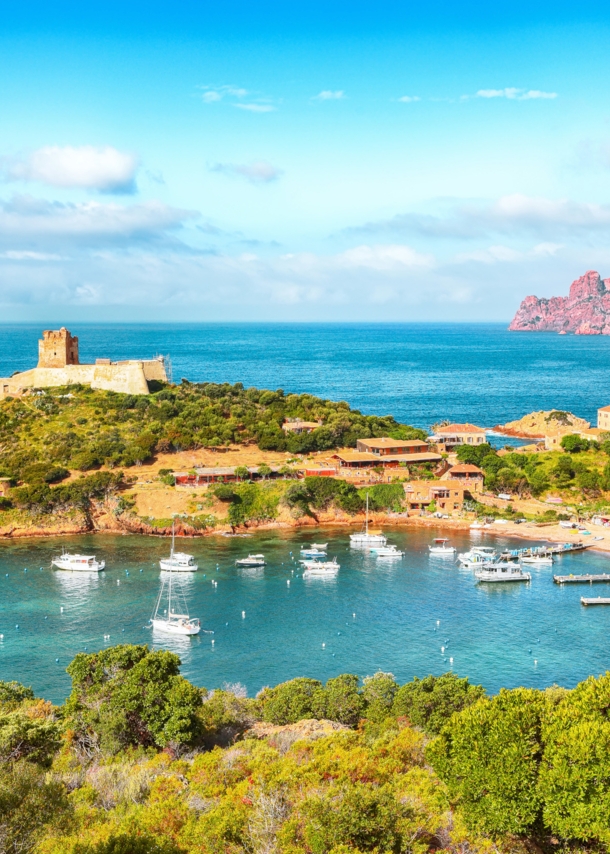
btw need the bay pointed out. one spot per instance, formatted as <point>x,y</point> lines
<point>534,634</point>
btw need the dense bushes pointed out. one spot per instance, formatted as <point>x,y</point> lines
<point>39,497</point>
<point>85,429</point>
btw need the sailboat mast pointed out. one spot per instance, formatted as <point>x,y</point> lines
<point>173,536</point>
<point>366,528</point>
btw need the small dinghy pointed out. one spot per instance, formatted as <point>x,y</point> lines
<point>321,546</point>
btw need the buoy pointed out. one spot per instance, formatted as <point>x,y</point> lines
<point>25,569</point>
<point>442,649</point>
<point>85,648</point>
<point>1,637</point>
<point>529,650</point>
<point>46,618</point>
<point>57,659</point>
<point>243,615</point>
<point>353,615</point>
<point>535,661</point>
<point>61,610</point>
<point>41,568</point>
<point>338,633</point>
<point>213,641</point>
<point>16,625</point>
<point>333,654</point>
<point>141,570</point>
<point>323,646</point>
<point>288,582</point>
<point>438,622</point>
<point>450,661</point>
<point>122,630</point>
<point>117,581</point>
<point>126,572</point>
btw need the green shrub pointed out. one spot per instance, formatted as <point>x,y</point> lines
<point>378,694</point>
<point>293,701</point>
<point>430,702</point>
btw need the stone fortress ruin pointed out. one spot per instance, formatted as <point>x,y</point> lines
<point>59,365</point>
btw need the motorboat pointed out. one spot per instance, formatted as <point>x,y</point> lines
<point>367,538</point>
<point>170,620</point>
<point>78,563</point>
<point>321,546</point>
<point>439,548</point>
<point>313,553</point>
<point>538,560</point>
<point>477,554</point>
<point>252,560</point>
<point>321,569</point>
<point>501,571</point>
<point>178,561</point>
<point>387,551</point>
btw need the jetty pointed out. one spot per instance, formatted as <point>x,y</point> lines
<point>544,551</point>
<point>599,601</point>
<point>588,578</point>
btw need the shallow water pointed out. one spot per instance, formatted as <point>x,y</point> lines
<point>520,634</point>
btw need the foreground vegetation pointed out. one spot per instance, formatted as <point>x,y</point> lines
<point>139,760</point>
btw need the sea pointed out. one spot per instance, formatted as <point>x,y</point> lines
<point>411,617</point>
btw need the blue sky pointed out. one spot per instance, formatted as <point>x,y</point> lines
<point>319,161</point>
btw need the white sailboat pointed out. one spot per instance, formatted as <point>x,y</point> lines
<point>366,538</point>
<point>178,561</point>
<point>78,563</point>
<point>170,620</point>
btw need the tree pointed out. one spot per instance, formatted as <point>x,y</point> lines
<point>573,443</point>
<point>293,701</point>
<point>473,454</point>
<point>264,470</point>
<point>344,703</point>
<point>378,695</point>
<point>430,702</point>
<point>242,473</point>
<point>127,695</point>
<point>489,756</point>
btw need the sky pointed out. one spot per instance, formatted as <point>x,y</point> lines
<point>331,161</point>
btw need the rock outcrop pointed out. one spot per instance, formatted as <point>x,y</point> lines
<point>585,311</point>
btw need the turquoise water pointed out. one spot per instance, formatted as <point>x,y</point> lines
<point>495,634</point>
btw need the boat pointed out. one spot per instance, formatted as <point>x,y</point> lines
<point>538,560</point>
<point>78,563</point>
<point>501,571</point>
<point>478,553</point>
<point>367,538</point>
<point>439,548</point>
<point>321,546</point>
<point>320,569</point>
<point>169,620</point>
<point>313,553</point>
<point>178,561</point>
<point>387,551</point>
<point>252,560</point>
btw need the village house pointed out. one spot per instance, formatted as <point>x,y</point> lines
<point>5,485</point>
<point>451,436</point>
<point>471,477</point>
<point>295,425</point>
<point>603,418</point>
<point>448,495</point>
<point>386,452</point>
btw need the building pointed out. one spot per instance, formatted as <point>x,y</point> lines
<point>364,459</point>
<point>451,436</point>
<point>295,425</point>
<point>448,495</point>
<point>5,485</point>
<point>471,477</point>
<point>603,418</point>
<point>59,365</point>
<point>391,447</point>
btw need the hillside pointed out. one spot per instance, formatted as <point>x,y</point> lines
<point>140,761</point>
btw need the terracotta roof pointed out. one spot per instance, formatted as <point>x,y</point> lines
<point>604,409</point>
<point>386,442</point>
<point>352,456</point>
<point>465,468</point>
<point>460,428</point>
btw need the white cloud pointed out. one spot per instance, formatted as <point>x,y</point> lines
<point>329,95</point>
<point>409,99</point>
<point>516,94</point>
<point>256,108</point>
<point>24,255</point>
<point>86,167</point>
<point>32,222</point>
<point>258,172</point>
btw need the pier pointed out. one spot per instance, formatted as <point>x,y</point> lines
<point>582,579</point>
<point>599,601</point>
<point>544,551</point>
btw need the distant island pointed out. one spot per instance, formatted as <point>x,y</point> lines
<point>585,311</point>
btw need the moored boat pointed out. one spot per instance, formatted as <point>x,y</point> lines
<point>252,560</point>
<point>440,548</point>
<point>367,538</point>
<point>501,571</point>
<point>78,563</point>
<point>178,561</point>
<point>320,569</point>
<point>169,620</point>
<point>387,551</point>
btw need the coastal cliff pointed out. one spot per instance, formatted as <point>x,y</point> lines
<point>585,311</point>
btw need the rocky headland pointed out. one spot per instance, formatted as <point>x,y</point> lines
<point>585,311</point>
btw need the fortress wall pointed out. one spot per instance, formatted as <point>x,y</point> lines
<point>127,378</point>
<point>154,369</point>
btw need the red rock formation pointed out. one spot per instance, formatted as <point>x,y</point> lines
<point>585,311</point>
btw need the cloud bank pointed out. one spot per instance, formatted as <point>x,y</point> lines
<point>84,167</point>
<point>258,172</point>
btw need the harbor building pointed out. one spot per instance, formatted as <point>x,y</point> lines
<point>59,365</point>
<point>471,477</point>
<point>386,452</point>
<point>448,495</point>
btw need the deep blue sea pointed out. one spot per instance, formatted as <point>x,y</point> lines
<point>535,634</point>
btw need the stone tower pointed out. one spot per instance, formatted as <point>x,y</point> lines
<point>57,348</point>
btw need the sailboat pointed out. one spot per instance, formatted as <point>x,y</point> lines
<point>169,620</point>
<point>366,537</point>
<point>178,561</point>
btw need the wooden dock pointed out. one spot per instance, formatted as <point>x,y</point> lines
<point>582,579</point>
<point>599,601</point>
